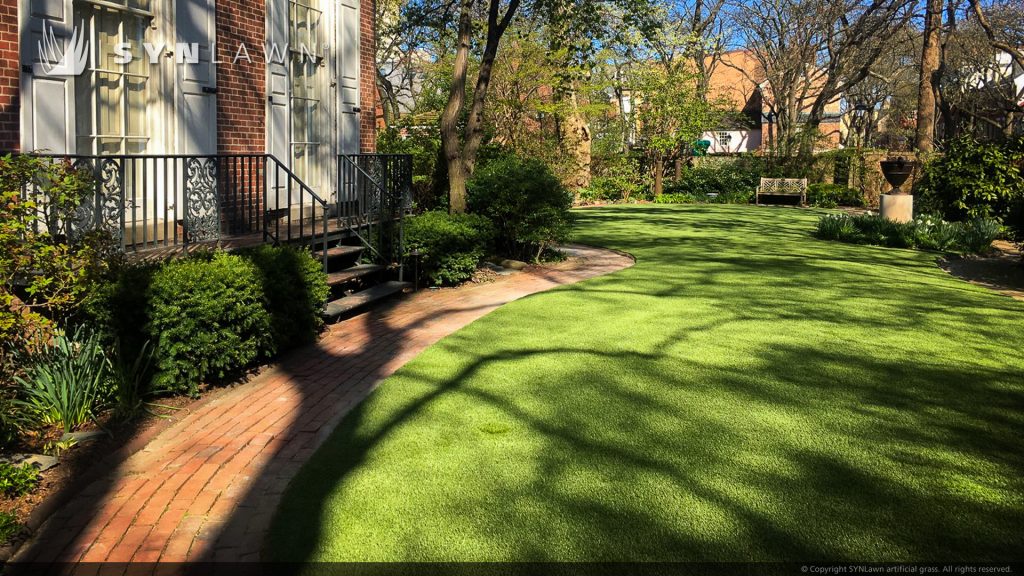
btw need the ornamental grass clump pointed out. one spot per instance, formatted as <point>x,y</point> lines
<point>67,381</point>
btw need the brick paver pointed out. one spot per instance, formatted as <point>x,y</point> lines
<point>206,487</point>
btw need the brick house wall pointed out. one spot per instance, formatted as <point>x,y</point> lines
<point>367,76</point>
<point>241,89</point>
<point>10,76</point>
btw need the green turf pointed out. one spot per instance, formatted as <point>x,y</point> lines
<point>744,392</point>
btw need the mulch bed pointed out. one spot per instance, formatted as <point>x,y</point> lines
<point>1003,271</point>
<point>87,461</point>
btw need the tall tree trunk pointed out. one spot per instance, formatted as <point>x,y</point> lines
<point>925,137</point>
<point>450,140</point>
<point>575,136</point>
<point>659,173</point>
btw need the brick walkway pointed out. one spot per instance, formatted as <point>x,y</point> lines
<point>205,488</point>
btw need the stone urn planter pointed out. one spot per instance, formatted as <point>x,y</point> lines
<point>897,205</point>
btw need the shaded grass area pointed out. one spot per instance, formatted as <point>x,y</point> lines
<point>744,392</point>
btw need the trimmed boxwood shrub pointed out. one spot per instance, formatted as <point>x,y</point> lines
<point>295,287</point>
<point>525,201</point>
<point>208,320</point>
<point>449,245</point>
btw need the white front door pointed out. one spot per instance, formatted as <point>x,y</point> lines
<point>196,82</point>
<point>348,75</point>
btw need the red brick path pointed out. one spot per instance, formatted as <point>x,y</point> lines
<point>206,487</point>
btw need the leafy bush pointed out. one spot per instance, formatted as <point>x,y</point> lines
<point>208,319</point>
<point>118,307</point>
<point>46,265</point>
<point>618,180</point>
<point>66,382</point>
<point>925,232</point>
<point>973,179</point>
<point>527,204</point>
<point>832,195</point>
<point>733,182</point>
<point>450,245</point>
<point>17,480</point>
<point>296,290</point>
<point>9,526</point>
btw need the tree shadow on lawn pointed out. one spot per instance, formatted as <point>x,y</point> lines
<point>800,406</point>
<point>814,470</point>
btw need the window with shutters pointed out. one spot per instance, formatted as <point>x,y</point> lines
<point>305,19</point>
<point>111,98</point>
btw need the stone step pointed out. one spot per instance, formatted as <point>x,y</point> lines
<point>351,273</point>
<point>338,251</point>
<point>341,306</point>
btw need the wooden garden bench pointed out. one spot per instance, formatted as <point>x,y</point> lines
<point>782,187</point>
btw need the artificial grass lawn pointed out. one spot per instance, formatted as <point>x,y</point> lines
<point>744,392</point>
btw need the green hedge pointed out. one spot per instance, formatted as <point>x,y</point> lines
<point>832,195</point>
<point>208,319</point>
<point>296,290</point>
<point>449,245</point>
<point>212,314</point>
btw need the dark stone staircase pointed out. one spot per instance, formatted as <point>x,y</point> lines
<point>355,285</point>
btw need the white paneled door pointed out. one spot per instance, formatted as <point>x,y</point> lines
<point>196,81</point>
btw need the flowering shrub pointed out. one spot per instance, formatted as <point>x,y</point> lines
<point>924,232</point>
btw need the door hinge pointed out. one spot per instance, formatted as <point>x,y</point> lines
<point>209,90</point>
<point>26,68</point>
<point>357,109</point>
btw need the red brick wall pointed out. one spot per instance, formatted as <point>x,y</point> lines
<point>10,72</point>
<point>241,87</point>
<point>368,77</point>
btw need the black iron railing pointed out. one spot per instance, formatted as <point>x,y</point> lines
<point>159,201</point>
<point>165,201</point>
<point>374,195</point>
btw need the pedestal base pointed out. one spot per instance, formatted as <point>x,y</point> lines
<point>897,207</point>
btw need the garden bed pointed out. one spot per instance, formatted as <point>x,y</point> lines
<point>1003,271</point>
<point>81,463</point>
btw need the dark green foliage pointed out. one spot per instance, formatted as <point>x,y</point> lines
<point>926,232</point>
<point>425,148</point>
<point>17,480</point>
<point>832,195</point>
<point>67,380</point>
<point>9,526</point>
<point>118,308</point>
<point>526,202</point>
<point>449,245</point>
<point>131,380</point>
<point>726,183</point>
<point>208,319</point>
<point>973,179</point>
<point>296,290</point>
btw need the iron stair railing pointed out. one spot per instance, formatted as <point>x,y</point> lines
<point>374,195</point>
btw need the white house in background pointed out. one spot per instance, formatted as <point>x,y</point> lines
<point>734,141</point>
